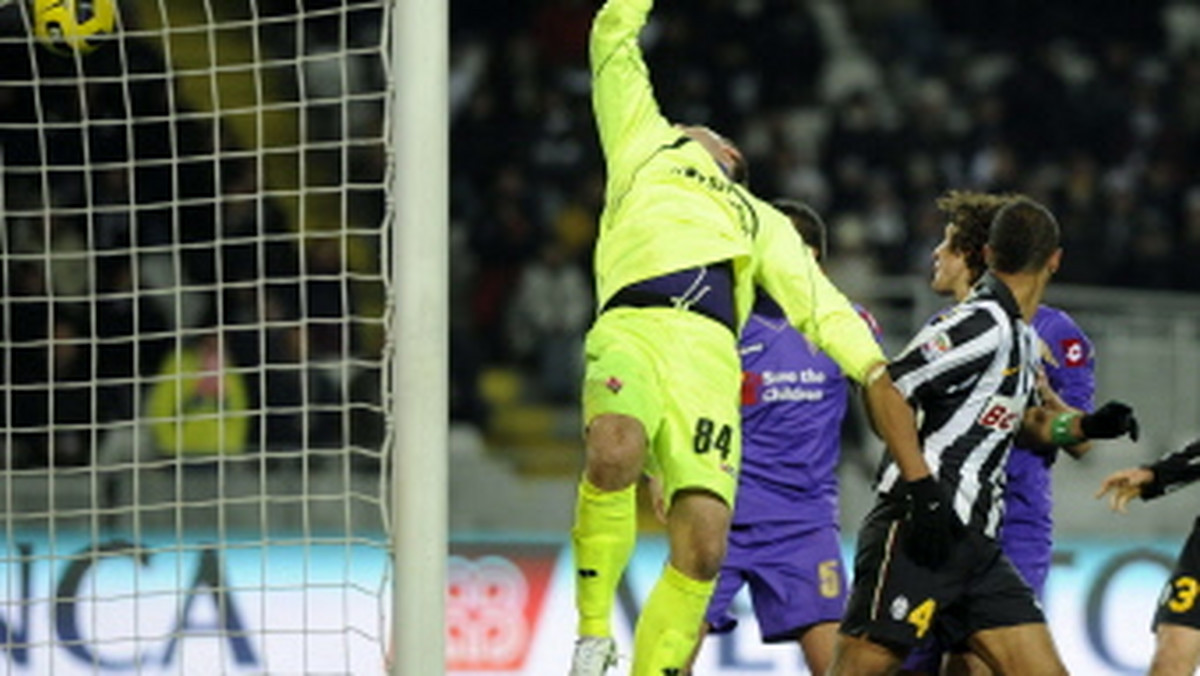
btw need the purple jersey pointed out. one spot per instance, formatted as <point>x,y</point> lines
<point>1026,528</point>
<point>793,403</point>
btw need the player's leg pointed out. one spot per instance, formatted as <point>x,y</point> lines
<point>668,629</point>
<point>1003,622</point>
<point>697,528</point>
<point>1020,649</point>
<point>691,662</point>
<point>924,660</point>
<point>965,664</point>
<point>717,618</point>
<point>618,400</point>
<point>1028,548</point>
<point>1177,620</point>
<point>817,643</point>
<point>890,608</point>
<point>605,527</point>
<point>1176,650</point>
<point>857,656</point>
<point>604,533</point>
<point>697,449</point>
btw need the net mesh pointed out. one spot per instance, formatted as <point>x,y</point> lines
<point>193,404</point>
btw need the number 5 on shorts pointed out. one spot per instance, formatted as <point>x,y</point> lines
<point>831,582</point>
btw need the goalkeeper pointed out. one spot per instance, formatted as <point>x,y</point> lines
<point>681,249</point>
<point>1177,622</point>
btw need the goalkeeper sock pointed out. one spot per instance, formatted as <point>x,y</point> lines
<point>603,537</point>
<point>669,626</point>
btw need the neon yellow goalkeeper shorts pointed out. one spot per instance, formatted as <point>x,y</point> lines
<point>679,374</point>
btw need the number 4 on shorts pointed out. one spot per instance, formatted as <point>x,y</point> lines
<point>922,616</point>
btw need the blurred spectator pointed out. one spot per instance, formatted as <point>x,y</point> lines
<point>503,241</point>
<point>550,311</point>
<point>303,406</point>
<point>198,405</point>
<point>327,299</point>
<point>1185,273</point>
<point>52,397</point>
<point>466,403</point>
<point>132,341</point>
<point>255,239</point>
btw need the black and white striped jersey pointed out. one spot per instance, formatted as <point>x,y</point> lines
<point>1173,471</point>
<point>970,373</point>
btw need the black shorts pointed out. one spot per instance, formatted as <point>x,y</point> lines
<point>1179,602</point>
<point>897,603</point>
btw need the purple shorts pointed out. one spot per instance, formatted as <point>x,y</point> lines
<point>795,574</point>
<point>1032,560</point>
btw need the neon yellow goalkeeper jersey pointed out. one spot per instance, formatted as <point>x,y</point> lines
<point>669,206</point>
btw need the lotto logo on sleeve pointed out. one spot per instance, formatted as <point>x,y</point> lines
<point>1073,351</point>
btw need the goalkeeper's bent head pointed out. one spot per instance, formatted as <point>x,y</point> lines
<point>724,151</point>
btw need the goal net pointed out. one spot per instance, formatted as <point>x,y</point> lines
<point>193,402</point>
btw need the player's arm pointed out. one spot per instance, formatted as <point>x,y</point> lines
<point>894,420</point>
<point>815,307</point>
<point>1172,472</point>
<point>789,273</point>
<point>627,115</point>
<point>1041,426</point>
<point>1037,426</point>
<point>1054,403</point>
<point>1070,369</point>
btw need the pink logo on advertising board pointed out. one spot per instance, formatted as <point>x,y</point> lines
<point>493,604</point>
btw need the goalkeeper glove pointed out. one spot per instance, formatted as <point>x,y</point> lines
<point>932,526</point>
<point>1110,421</point>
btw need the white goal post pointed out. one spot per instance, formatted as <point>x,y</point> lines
<point>420,509</point>
<point>222,336</point>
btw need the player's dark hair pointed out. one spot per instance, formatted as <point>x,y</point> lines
<point>1024,235</point>
<point>807,222</point>
<point>971,213</point>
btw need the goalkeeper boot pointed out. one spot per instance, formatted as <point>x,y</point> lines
<point>593,656</point>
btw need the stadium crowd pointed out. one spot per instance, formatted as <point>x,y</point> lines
<point>139,249</point>
<point>867,110</point>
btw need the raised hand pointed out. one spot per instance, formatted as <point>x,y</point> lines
<point>1124,485</point>
<point>1110,421</point>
